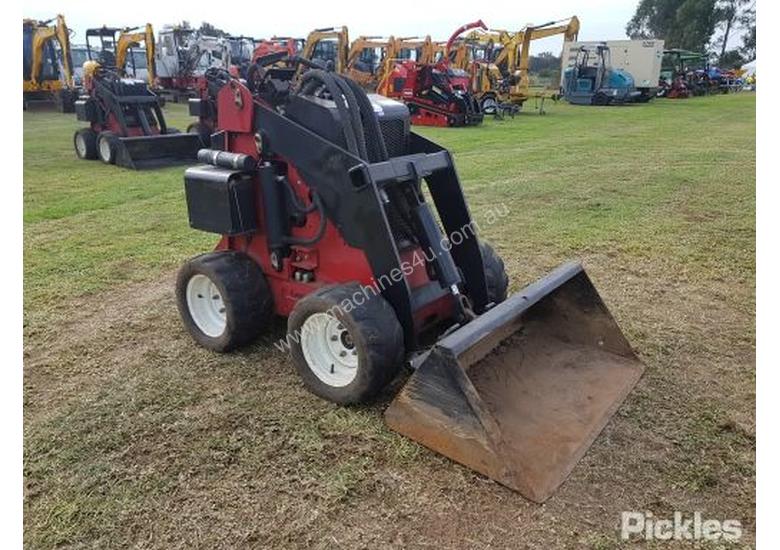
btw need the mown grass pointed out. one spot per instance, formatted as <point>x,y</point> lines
<point>135,437</point>
<point>89,226</point>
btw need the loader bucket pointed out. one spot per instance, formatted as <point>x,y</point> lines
<point>521,392</point>
<point>157,151</point>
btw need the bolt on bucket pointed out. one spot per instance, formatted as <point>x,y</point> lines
<point>521,392</point>
<point>156,151</point>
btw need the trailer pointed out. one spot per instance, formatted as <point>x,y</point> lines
<point>640,58</point>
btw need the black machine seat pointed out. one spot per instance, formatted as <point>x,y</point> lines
<point>130,87</point>
<point>588,72</point>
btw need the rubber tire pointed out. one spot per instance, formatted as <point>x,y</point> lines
<point>495,273</point>
<point>245,293</point>
<point>374,329</point>
<point>90,140</point>
<point>601,99</point>
<point>494,110</point>
<point>112,146</point>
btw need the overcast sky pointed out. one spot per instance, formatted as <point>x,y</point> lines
<point>601,19</point>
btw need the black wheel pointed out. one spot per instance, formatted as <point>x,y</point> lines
<point>85,144</point>
<point>66,101</point>
<point>495,273</point>
<point>223,299</point>
<point>600,99</point>
<point>106,147</point>
<point>346,344</point>
<point>489,105</point>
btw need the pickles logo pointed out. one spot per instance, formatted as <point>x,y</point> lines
<point>643,525</point>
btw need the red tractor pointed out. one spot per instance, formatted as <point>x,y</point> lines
<point>437,94</point>
<point>317,195</point>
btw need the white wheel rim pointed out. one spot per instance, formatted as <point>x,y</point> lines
<point>105,150</point>
<point>490,104</point>
<point>329,350</point>
<point>81,145</point>
<point>206,306</point>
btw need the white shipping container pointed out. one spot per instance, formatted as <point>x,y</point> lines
<point>640,58</point>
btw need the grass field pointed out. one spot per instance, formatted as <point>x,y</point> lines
<point>135,437</point>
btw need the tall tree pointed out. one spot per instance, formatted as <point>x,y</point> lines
<point>748,22</point>
<point>733,16</point>
<point>687,24</point>
<point>208,29</point>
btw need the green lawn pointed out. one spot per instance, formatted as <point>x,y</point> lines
<point>135,437</point>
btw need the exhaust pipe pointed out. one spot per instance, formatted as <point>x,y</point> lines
<point>521,392</point>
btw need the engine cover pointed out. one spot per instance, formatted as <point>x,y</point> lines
<point>322,117</point>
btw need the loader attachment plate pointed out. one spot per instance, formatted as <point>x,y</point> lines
<point>520,393</point>
<point>141,152</point>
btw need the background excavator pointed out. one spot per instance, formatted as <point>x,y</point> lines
<point>366,62</point>
<point>47,65</point>
<point>266,46</point>
<point>499,63</point>
<point>116,47</point>
<point>413,48</point>
<point>328,47</point>
<point>182,55</point>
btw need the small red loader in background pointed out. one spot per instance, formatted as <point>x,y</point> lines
<point>126,123</point>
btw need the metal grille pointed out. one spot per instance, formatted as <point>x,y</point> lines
<point>396,136</point>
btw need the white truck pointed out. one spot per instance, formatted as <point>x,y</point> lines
<point>640,58</point>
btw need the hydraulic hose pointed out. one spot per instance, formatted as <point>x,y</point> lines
<point>311,80</point>
<point>308,241</point>
<point>370,124</point>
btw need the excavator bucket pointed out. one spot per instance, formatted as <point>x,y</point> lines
<point>521,392</point>
<point>157,151</point>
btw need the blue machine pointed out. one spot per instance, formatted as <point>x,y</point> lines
<point>595,82</point>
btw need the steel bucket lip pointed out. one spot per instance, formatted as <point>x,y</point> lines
<point>507,311</point>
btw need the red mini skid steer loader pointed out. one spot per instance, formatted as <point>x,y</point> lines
<point>318,197</point>
<point>437,94</point>
<point>126,123</point>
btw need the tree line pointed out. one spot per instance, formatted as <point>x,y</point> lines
<point>701,26</point>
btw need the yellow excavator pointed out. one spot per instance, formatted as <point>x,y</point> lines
<point>364,59</point>
<point>366,62</point>
<point>499,62</point>
<point>115,49</point>
<point>47,65</point>
<point>521,88</point>
<point>415,49</point>
<point>482,53</point>
<point>328,46</point>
